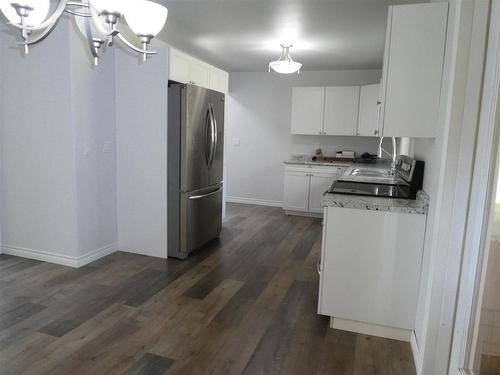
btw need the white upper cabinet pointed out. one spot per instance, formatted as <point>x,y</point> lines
<point>219,80</point>
<point>187,69</point>
<point>179,67</point>
<point>341,110</point>
<point>413,67</point>
<point>308,104</point>
<point>369,106</point>
<point>199,73</point>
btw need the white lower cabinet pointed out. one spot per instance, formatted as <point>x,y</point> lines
<point>296,197</point>
<point>304,187</point>
<point>370,267</point>
<point>319,183</point>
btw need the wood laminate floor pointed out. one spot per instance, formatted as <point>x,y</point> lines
<point>244,305</point>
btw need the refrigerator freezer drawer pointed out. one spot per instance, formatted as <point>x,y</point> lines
<point>201,217</point>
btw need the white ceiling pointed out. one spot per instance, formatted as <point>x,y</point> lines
<point>244,35</point>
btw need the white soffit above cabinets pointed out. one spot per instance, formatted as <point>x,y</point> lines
<point>244,35</point>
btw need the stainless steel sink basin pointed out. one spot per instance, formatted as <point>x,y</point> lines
<point>370,172</point>
<point>375,174</point>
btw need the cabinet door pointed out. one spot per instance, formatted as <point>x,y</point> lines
<point>341,110</point>
<point>199,73</point>
<point>371,266</point>
<point>179,67</point>
<point>296,192</point>
<point>413,67</point>
<point>308,104</point>
<point>320,183</point>
<point>369,100</point>
<point>219,80</point>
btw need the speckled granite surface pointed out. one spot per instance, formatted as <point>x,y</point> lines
<point>419,206</point>
<point>310,162</point>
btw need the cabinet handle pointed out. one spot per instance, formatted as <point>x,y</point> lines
<point>319,266</point>
<point>379,113</point>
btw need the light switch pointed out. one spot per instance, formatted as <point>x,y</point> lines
<point>236,142</point>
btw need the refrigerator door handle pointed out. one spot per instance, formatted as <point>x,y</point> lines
<point>196,197</point>
<point>208,123</point>
<point>213,137</point>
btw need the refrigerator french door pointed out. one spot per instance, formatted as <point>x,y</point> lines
<point>195,162</point>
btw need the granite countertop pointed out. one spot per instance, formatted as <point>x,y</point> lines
<point>310,162</point>
<point>419,206</point>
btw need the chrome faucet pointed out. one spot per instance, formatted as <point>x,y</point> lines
<point>393,154</point>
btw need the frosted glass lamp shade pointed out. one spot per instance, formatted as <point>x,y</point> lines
<point>34,18</point>
<point>146,18</point>
<point>118,6</point>
<point>285,64</point>
<point>285,67</point>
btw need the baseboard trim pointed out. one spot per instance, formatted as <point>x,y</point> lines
<point>371,329</point>
<point>97,254</point>
<point>415,351</point>
<point>305,214</point>
<point>61,259</point>
<point>258,202</point>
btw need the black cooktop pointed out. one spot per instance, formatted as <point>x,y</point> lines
<point>373,190</point>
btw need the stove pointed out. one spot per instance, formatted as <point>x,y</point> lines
<point>410,173</point>
<point>371,190</point>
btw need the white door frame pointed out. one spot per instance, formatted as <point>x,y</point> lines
<point>479,209</point>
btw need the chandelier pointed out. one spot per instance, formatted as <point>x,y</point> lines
<point>96,19</point>
<point>285,64</point>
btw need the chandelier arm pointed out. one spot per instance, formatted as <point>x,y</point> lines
<point>80,4</point>
<point>48,23</point>
<point>77,13</point>
<point>41,36</point>
<point>88,29</point>
<point>136,49</point>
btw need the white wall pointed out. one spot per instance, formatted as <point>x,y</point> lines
<point>258,114</point>
<point>58,185</point>
<point>39,188</point>
<point>93,115</point>
<point>141,117</point>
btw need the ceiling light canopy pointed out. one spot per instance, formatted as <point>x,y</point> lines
<point>96,19</point>
<point>285,64</point>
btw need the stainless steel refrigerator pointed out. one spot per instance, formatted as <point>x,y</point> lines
<point>195,165</point>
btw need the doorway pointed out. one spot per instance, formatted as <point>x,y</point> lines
<point>476,341</point>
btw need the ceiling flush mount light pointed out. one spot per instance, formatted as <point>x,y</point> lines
<point>285,64</point>
<point>96,19</point>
